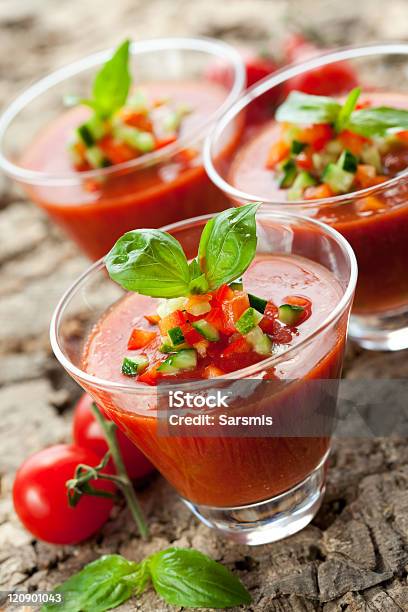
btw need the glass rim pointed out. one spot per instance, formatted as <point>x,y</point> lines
<point>218,49</point>
<point>140,388</point>
<point>277,78</point>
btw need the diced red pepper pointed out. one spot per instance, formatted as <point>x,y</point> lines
<point>297,300</point>
<point>215,317</point>
<point>138,120</point>
<point>232,309</point>
<point>139,338</point>
<point>268,323</point>
<point>353,142</point>
<point>318,192</point>
<point>150,375</point>
<point>212,371</point>
<point>190,334</point>
<point>237,346</point>
<point>116,152</point>
<point>152,319</point>
<point>224,293</point>
<point>277,153</point>
<point>304,161</point>
<point>317,135</point>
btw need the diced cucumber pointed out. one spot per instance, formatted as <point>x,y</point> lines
<point>176,335</point>
<point>290,314</point>
<point>183,360</point>
<point>289,171</point>
<point>168,347</point>
<point>207,330</point>
<point>95,157</point>
<point>138,101</point>
<point>338,179</point>
<point>168,306</point>
<point>371,156</point>
<point>258,303</point>
<point>297,147</point>
<point>248,320</point>
<point>141,141</point>
<point>85,135</point>
<point>303,180</point>
<point>260,342</point>
<point>136,365</point>
<point>347,161</point>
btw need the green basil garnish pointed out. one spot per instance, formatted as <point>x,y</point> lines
<point>152,262</point>
<point>181,576</point>
<point>306,109</point>
<point>111,85</point>
<point>228,245</point>
<point>149,262</point>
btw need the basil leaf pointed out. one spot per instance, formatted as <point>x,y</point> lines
<point>198,281</point>
<point>112,83</point>
<point>228,244</point>
<point>188,578</point>
<point>306,109</point>
<point>347,108</point>
<point>101,585</point>
<point>378,121</point>
<point>150,262</point>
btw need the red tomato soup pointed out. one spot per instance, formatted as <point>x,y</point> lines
<point>376,225</point>
<point>230,471</point>
<point>96,213</point>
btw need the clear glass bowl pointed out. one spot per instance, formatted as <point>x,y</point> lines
<point>253,489</point>
<point>98,206</point>
<point>374,220</point>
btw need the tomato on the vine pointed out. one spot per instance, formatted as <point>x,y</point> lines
<point>40,496</point>
<point>87,433</point>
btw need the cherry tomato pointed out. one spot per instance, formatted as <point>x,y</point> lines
<point>88,434</point>
<point>257,66</point>
<point>40,496</point>
<point>329,80</point>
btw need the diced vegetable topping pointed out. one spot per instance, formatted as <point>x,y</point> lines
<point>135,365</point>
<point>124,124</point>
<point>209,327</point>
<point>290,315</point>
<point>327,148</point>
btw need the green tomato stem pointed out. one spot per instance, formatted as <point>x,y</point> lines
<point>124,482</point>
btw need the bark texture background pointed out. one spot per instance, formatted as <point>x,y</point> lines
<point>354,556</point>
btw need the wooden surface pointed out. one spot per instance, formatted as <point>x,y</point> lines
<point>354,556</point>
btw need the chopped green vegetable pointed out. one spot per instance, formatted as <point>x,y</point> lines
<point>134,366</point>
<point>208,331</point>
<point>260,342</point>
<point>347,161</point>
<point>371,156</point>
<point>303,180</point>
<point>290,314</point>
<point>95,157</point>
<point>338,179</point>
<point>183,360</point>
<point>237,285</point>
<point>289,172</point>
<point>258,303</point>
<point>176,335</point>
<point>141,141</point>
<point>248,320</point>
<point>297,147</point>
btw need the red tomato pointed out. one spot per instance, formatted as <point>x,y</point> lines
<point>329,80</point>
<point>40,496</point>
<point>257,66</point>
<point>88,434</point>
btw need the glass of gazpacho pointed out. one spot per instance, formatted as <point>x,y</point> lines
<point>344,161</point>
<point>232,302</point>
<point>113,141</point>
